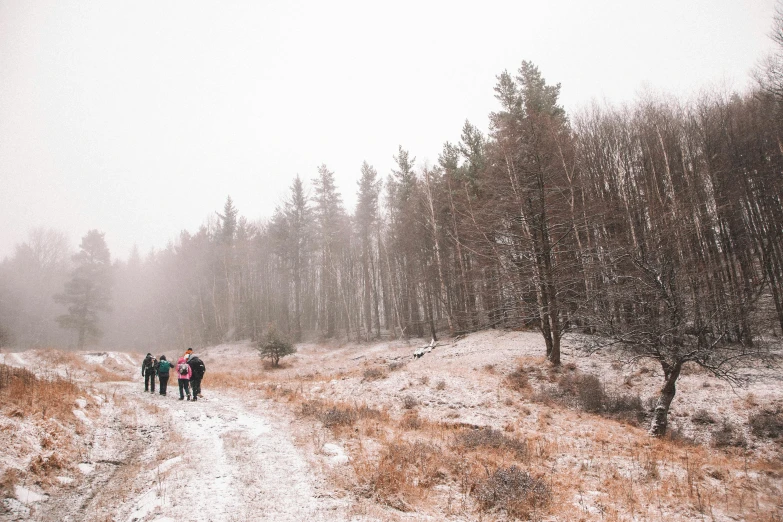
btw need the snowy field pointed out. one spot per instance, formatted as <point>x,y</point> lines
<point>245,452</point>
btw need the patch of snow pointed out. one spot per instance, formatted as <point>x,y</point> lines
<point>336,454</point>
<point>82,417</point>
<point>81,403</point>
<point>85,468</point>
<point>94,358</point>
<point>163,467</point>
<point>16,509</point>
<point>65,480</point>
<point>144,506</point>
<point>27,496</point>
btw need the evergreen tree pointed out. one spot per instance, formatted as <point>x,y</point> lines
<point>89,290</point>
<point>366,225</point>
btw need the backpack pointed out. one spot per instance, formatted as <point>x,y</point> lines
<point>164,366</point>
<point>183,368</point>
<point>197,365</point>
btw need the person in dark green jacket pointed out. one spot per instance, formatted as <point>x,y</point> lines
<point>163,373</point>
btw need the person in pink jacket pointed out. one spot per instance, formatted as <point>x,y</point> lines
<point>183,374</point>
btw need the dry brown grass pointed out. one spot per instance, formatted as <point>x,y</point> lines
<point>594,468</point>
<point>23,394</point>
<point>8,481</point>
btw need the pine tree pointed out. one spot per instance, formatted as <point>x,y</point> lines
<point>366,225</point>
<point>89,290</point>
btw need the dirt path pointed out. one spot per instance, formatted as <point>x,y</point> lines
<point>233,460</point>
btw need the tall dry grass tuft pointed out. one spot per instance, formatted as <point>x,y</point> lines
<point>404,472</point>
<point>514,492</point>
<point>27,395</point>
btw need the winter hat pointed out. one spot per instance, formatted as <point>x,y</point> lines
<point>162,357</point>
<point>149,355</point>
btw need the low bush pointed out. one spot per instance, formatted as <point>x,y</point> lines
<point>440,385</point>
<point>30,395</point>
<point>518,380</point>
<point>409,402</point>
<point>513,491</point>
<point>728,435</point>
<point>702,416</point>
<point>767,424</point>
<point>335,415</point>
<point>587,393</point>
<point>411,421</point>
<point>374,374</point>
<point>490,438</point>
<point>396,365</point>
<point>403,470</point>
<point>8,481</point>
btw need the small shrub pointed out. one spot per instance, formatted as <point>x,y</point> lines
<point>513,491</point>
<point>489,368</point>
<point>440,385</point>
<point>424,380</point>
<point>626,407</point>
<point>8,481</point>
<point>274,346</point>
<point>702,416</point>
<point>395,365</point>
<point>411,421</point>
<point>337,416</point>
<point>409,402</point>
<point>311,408</point>
<point>727,435</point>
<point>402,469</point>
<point>365,412</point>
<point>41,465</point>
<point>676,435</point>
<point>490,438</point>
<point>518,380</point>
<point>591,394</point>
<point>767,424</point>
<point>374,374</point>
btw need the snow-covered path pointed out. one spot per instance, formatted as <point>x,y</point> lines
<point>235,462</point>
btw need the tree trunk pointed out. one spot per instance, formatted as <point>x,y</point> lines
<point>660,419</point>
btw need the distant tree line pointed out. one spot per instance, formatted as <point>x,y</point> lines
<point>650,218</point>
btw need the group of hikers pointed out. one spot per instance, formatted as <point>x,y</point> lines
<point>189,369</point>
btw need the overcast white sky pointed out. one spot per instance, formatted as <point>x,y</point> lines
<point>139,118</point>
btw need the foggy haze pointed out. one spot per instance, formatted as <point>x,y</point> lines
<point>138,119</point>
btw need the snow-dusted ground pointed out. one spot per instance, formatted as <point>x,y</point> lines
<point>235,462</point>
<point>154,458</point>
<point>237,456</point>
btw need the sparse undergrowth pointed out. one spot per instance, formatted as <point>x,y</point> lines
<point>514,492</point>
<point>25,394</point>
<point>408,462</point>
<point>587,393</point>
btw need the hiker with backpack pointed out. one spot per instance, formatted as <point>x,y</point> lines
<point>198,369</point>
<point>148,369</point>
<point>184,373</point>
<point>163,373</point>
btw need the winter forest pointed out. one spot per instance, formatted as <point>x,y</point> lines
<point>657,226</point>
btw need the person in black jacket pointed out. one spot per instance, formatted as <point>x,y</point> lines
<point>198,369</point>
<point>148,370</point>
